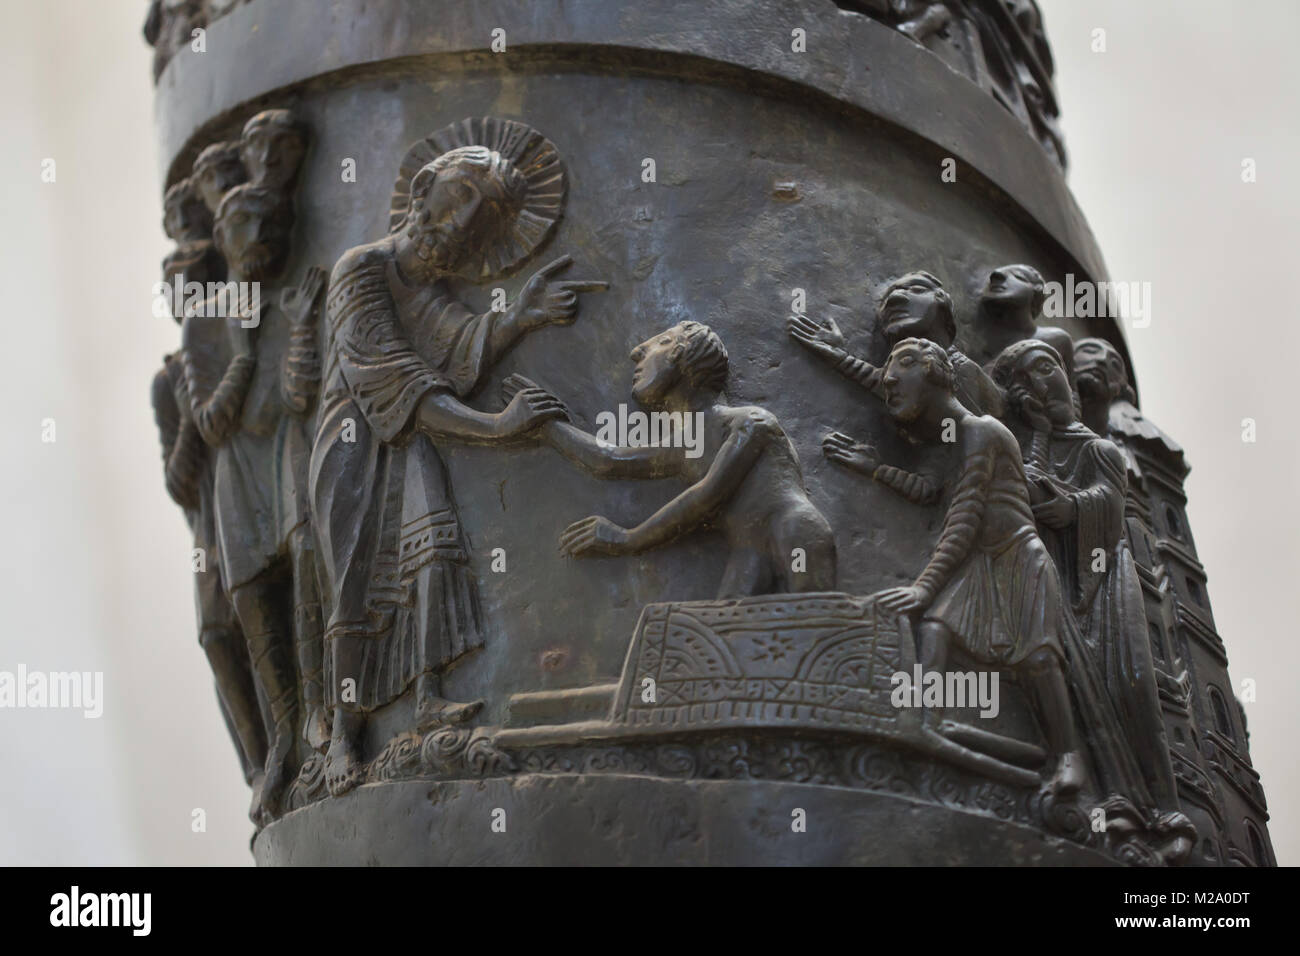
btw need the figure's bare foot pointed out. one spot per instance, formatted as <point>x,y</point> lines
<point>316,731</point>
<point>342,764</point>
<point>433,712</point>
<point>1068,777</point>
<point>276,779</point>
<point>254,806</point>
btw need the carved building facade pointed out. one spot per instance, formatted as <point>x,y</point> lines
<point>1207,725</point>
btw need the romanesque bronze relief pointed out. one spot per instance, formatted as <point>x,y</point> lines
<point>912,306</point>
<point>425,560</point>
<point>168,27</point>
<point>343,577</point>
<point>217,170</point>
<point>188,474</point>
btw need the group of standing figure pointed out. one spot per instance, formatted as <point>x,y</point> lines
<point>332,573</point>
<point>1032,572</point>
<point>233,406</point>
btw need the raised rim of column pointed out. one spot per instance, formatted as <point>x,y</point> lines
<point>722,41</point>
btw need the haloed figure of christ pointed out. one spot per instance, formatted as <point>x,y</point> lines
<point>747,482</point>
<point>402,355</point>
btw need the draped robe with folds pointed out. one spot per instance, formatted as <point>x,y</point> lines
<point>401,598</point>
<point>1107,604</point>
<point>258,444</point>
<point>999,592</point>
<point>994,585</point>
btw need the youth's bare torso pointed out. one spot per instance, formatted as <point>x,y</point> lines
<point>768,515</point>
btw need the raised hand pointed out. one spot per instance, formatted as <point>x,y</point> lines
<point>824,338</point>
<point>299,304</point>
<point>529,408</point>
<point>594,535</point>
<point>545,300</point>
<point>846,451</point>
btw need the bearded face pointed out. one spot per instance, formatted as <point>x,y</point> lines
<point>1098,372</point>
<point>251,243</point>
<point>1046,381</point>
<point>455,217</point>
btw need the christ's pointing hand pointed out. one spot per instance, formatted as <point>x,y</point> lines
<point>547,301</point>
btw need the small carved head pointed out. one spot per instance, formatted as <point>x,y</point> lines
<point>1014,288</point>
<point>917,306</point>
<point>253,229</point>
<point>1100,373</point>
<point>1027,17</point>
<point>191,262</point>
<point>917,374</point>
<point>217,170</point>
<point>271,148</point>
<point>1033,376</point>
<point>689,354</point>
<point>460,202</point>
<point>185,217</point>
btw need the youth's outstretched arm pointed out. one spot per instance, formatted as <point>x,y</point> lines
<point>611,461</point>
<point>699,502</point>
<point>599,458</point>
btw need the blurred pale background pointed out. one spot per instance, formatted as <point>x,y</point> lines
<point>94,567</point>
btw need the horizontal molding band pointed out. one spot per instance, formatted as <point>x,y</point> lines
<point>271,46</point>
